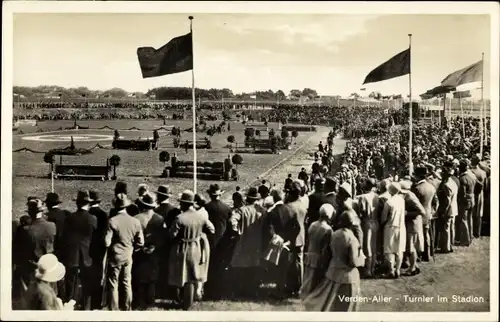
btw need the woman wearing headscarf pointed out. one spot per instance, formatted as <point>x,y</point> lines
<point>342,276</point>
<point>317,255</point>
<point>189,258</point>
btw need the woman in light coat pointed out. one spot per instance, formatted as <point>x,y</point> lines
<point>393,221</point>
<point>317,255</point>
<point>342,276</point>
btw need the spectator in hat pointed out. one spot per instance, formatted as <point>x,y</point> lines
<point>426,194</point>
<point>318,254</point>
<point>447,210</point>
<point>288,182</point>
<point>316,200</point>
<point>394,230</point>
<point>120,188</point>
<point>414,226</point>
<point>77,236</point>
<point>40,294</point>
<point>466,204</point>
<point>303,175</point>
<point>330,191</point>
<point>97,249</point>
<point>165,208</point>
<point>263,189</point>
<point>345,204</point>
<point>342,276</point>
<point>57,216</point>
<point>123,236</point>
<point>146,261</point>
<point>218,214</point>
<point>190,255</point>
<point>238,199</point>
<point>296,270</point>
<point>247,225</point>
<point>280,231</point>
<point>33,241</point>
<point>141,190</point>
<point>369,214</point>
<point>479,195</point>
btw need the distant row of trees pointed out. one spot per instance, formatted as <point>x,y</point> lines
<point>159,93</point>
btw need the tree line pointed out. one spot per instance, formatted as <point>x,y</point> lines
<point>159,93</point>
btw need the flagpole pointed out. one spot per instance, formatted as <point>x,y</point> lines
<point>195,161</point>
<point>462,112</point>
<point>481,127</point>
<point>410,144</point>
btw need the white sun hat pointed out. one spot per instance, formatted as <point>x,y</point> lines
<point>49,269</point>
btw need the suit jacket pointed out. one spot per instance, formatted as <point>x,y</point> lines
<point>77,235</point>
<point>57,216</point>
<point>316,200</point>
<point>414,212</point>
<point>481,177</point>
<point>466,190</point>
<point>146,263</point>
<point>447,196</point>
<point>123,235</point>
<point>34,241</point>
<point>97,246</point>
<point>218,214</point>
<point>300,212</point>
<point>166,210</point>
<point>426,194</point>
<point>282,221</point>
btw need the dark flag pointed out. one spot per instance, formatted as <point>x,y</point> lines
<point>174,57</point>
<point>398,65</point>
<point>469,74</point>
<point>462,94</point>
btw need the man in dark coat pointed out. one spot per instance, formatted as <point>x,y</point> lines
<point>479,196</point>
<point>168,212</point>
<point>57,216</point>
<point>97,248</point>
<point>77,236</point>
<point>280,223</point>
<point>263,189</point>
<point>427,195</point>
<point>219,214</point>
<point>316,200</point>
<point>33,241</point>
<point>466,205</point>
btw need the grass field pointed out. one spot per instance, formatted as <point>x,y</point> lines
<point>464,273</point>
<point>30,172</point>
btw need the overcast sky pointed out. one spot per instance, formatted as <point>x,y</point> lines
<point>331,53</point>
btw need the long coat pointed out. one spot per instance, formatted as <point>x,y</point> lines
<point>247,223</point>
<point>369,213</point>
<point>479,190</point>
<point>190,254</point>
<point>414,212</point>
<point>76,238</point>
<point>147,265</point>
<point>218,214</point>
<point>317,256</point>
<point>57,216</point>
<point>393,221</point>
<point>426,194</point>
<point>282,222</point>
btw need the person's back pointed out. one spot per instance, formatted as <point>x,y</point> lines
<point>37,239</point>
<point>77,236</point>
<point>395,212</point>
<point>218,214</point>
<point>340,269</point>
<point>123,234</point>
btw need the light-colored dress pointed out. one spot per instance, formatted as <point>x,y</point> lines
<point>190,254</point>
<point>368,204</point>
<point>341,278</point>
<point>393,220</point>
<point>316,257</point>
